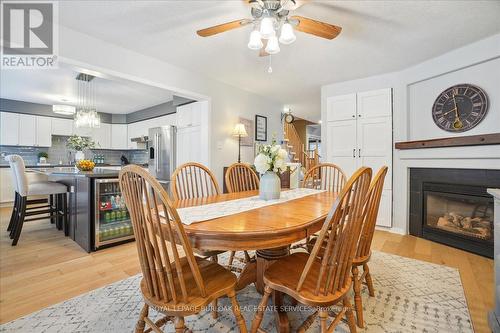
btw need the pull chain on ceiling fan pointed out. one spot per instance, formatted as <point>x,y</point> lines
<point>271,17</point>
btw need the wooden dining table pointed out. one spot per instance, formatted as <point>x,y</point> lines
<point>268,230</point>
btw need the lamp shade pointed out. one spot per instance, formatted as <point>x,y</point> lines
<point>64,109</point>
<point>239,130</point>
<point>287,35</point>
<point>273,46</point>
<point>266,27</point>
<point>255,42</point>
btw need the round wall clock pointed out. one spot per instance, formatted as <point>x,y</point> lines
<point>289,118</point>
<point>460,108</point>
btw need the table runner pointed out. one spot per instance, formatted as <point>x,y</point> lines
<point>201,213</point>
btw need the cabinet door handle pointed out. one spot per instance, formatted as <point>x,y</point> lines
<point>359,152</point>
<point>354,152</point>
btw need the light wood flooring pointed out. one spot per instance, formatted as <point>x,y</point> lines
<point>46,268</point>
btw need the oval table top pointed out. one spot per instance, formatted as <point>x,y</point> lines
<point>261,228</point>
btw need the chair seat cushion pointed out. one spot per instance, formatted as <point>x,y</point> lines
<point>284,275</point>
<point>46,188</point>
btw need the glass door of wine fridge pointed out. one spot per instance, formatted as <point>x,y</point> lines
<point>112,219</point>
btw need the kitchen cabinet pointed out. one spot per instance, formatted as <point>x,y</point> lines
<point>119,136</point>
<point>359,133</point>
<point>43,131</point>
<point>190,114</point>
<point>62,126</point>
<point>189,145</point>
<point>27,130</point>
<point>102,136</point>
<point>82,131</point>
<point>9,129</point>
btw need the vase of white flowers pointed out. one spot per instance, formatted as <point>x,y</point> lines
<point>270,161</point>
<point>79,143</point>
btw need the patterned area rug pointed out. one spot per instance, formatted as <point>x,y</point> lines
<point>410,296</point>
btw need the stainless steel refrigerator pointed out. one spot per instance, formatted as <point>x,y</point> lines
<point>162,153</point>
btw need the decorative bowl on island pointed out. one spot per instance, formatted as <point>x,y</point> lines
<point>85,165</point>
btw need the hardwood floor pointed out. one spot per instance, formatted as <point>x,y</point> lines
<point>46,268</point>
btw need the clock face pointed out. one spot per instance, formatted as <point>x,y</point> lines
<point>460,108</point>
<point>289,118</point>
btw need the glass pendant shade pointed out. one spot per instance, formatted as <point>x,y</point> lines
<point>266,27</point>
<point>67,110</point>
<point>255,42</point>
<point>273,46</point>
<point>287,35</point>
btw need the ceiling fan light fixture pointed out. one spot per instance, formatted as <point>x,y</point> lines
<point>273,46</point>
<point>255,42</point>
<point>267,27</point>
<point>287,35</point>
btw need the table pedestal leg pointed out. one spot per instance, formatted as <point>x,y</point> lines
<point>264,259</point>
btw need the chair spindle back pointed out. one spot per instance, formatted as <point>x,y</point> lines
<point>158,228</point>
<point>340,233</point>
<point>370,213</point>
<point>240,177</point>
<point>325,176</point>
<point>193,180</point>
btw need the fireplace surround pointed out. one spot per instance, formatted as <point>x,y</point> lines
<point>451,206</point>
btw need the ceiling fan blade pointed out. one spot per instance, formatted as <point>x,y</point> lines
<point>262,52</point>
<point>317,28</point>
<point>216,29</point>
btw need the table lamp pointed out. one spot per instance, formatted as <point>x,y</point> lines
<point>240,132</point>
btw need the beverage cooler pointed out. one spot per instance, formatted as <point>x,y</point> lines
<point>112,220</point>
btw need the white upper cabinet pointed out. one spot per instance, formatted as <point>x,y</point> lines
<point>27,130</point>
<point>9,129</point>
<point>119,136</point>
<point>374,103</point>
<point>82,131</point>
<point>43,131</point>
<point>190,114</point>
<point>62,126</point>
<point>341,107</point>
<point>102,136</point>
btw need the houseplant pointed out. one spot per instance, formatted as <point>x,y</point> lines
<point>79,143</point>
<point>42,157</point>
<point>270,161</point>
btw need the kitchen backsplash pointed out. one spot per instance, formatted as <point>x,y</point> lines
<point>60,154</point>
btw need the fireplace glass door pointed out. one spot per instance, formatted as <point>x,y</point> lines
<point>462,215</point>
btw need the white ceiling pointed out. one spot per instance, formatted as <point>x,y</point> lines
<point>377,37</point>
<point>59,86</point>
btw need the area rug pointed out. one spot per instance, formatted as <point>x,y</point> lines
<point>410,296</point>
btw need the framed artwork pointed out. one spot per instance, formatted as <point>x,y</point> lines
<point>260,128</point>
<point>247,140</point>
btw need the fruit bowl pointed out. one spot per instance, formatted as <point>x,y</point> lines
<point>85,165</point>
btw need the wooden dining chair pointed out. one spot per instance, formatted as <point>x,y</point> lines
<point>325,176</point>
<point>240,177</point>
<point>193,180</point>
<point>363,251</point>
<point>175,283</point>
<point>323,282</point>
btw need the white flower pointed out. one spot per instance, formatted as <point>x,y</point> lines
<point>279,163</point>
<point>262,163</point>
<point>275,149</point>
<point>282,153</point>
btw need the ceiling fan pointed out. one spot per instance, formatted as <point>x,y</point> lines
<point>270,17</point>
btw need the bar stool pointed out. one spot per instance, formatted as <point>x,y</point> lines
<point>26,209</point>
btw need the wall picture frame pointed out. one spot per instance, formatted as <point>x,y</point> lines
<point>260,128</point>
<point>247,141</point>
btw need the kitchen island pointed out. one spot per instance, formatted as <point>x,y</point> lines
<point>98,216</point>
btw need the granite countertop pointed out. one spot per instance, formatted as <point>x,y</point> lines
<point>98,172</point>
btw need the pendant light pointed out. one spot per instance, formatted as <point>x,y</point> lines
<point>273,46</point>
<point>287,35</point>
<point>267,27</point>
<point>255,42</point>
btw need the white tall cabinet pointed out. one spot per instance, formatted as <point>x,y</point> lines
<point>359,133</point>
<point>193,140</point>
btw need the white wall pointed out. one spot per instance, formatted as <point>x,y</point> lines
<point>227,102</point>
<point>414,91</point>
